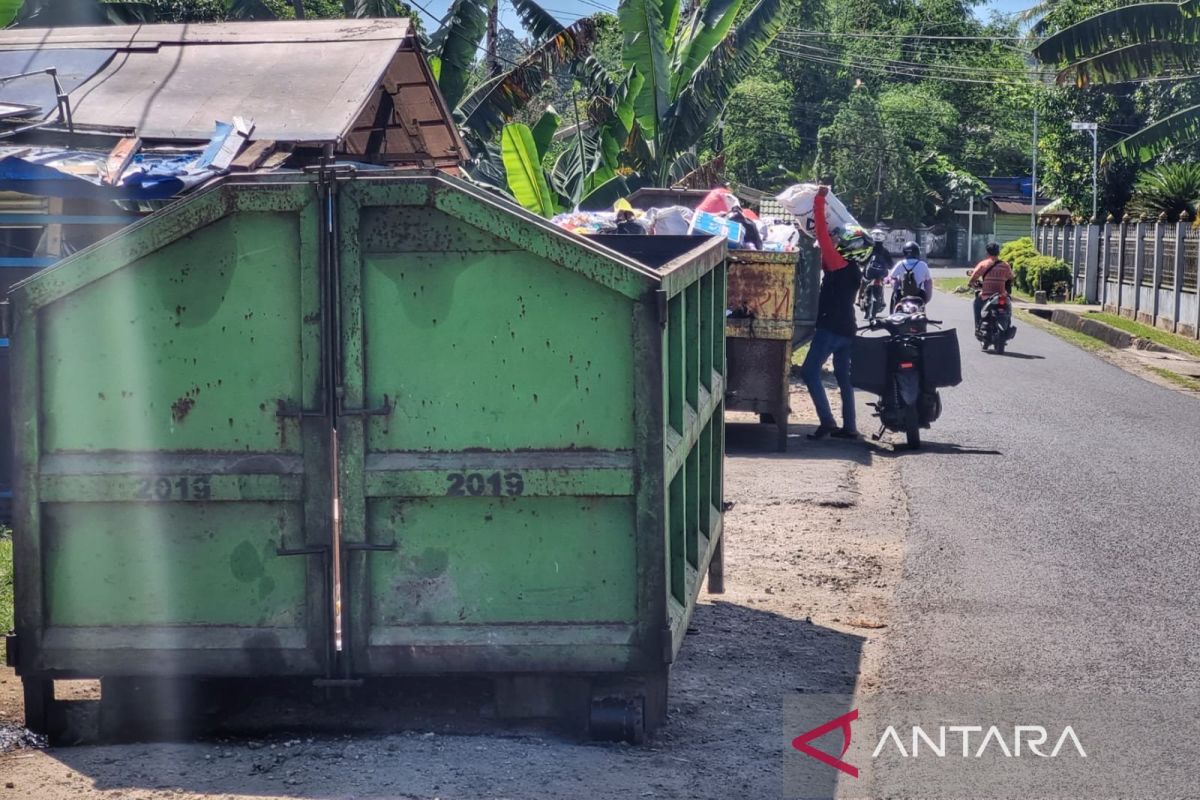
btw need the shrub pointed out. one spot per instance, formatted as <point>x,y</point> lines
<point>1046,274</point>
<point>1018,253</point>
<point>1169,189</point>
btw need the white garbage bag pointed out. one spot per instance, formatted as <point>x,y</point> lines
<point>669,221</point>
<point>798,200</point>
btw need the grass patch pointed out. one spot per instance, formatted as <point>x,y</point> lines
<point>1182,381</point>
<point>799,354</point>
<point>1181,343</point>
<point>6,580</point>
<point>949,284</point>
<point>952,284</point>
<point>1080,340</point>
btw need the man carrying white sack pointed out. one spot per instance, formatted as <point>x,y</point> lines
<point>835,327</point>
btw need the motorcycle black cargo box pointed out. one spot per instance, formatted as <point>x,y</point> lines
<point>940,361</point>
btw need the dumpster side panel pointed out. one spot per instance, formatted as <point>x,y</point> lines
<point>147,348</point>
<point>158,482</point>
<point>693,338</point>
<point>498,348</point>
<point>499,486</point>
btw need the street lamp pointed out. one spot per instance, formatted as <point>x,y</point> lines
<point>1090,127</point>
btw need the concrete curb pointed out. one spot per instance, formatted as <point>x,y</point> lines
<point>1114,337</point>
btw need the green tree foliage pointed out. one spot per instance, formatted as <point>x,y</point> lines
<point>1169,189</point>
<point>880,110</point>
<point>1127,44</point>
<point>760,113</point>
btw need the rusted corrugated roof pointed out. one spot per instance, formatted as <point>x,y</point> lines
<point>303,82</point>
<point>143,37</point>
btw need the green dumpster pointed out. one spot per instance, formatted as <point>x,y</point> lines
<point>352,427</point>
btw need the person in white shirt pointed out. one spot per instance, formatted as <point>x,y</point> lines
<point>911,277</point>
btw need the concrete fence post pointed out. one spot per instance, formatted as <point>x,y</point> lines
<point>1139,264</point>
<point>1092,263</point>
<point>1177,283</point>
<point>1156,275</point>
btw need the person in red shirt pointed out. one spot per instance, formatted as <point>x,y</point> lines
<point>992,277</point>
<point>835,327</point>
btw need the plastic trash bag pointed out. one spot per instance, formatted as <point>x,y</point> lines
<point>798,201</point>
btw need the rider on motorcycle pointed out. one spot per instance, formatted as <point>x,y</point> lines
<point>911,275</point>
<point>991,277</point>
<point>879,263</point>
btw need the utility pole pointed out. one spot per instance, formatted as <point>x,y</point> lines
<point>1033,196</point>
<point>1090,127</point>
<point>878,188</point>
<point>493,32</point>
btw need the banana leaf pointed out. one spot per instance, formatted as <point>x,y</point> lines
<point>1135,24</point>
<point>645,47</point>
<point>703,98</point>
<point>454,44</point>
<point>670,10</point>
<point>606,194</point>
<point>582,157</point>
<point>8,11</point>
<point>625,97</point>
<point>523,168</point>
<point>489,107</point>
<point>1182,127</point>
<point>683,165</point>
<point>542,25</point>
<point>363,9</point>
<point>1130,63</point>
<point>709,24</point>
<point>613,117</point>
<point>543,131</point>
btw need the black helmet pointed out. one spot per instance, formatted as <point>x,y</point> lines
<point>993,248</point>
<point>911,250</point>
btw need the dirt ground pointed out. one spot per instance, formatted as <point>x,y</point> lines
<point>813,555</point>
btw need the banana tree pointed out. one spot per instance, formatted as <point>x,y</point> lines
<point>1131,43</point>
<point>688,69</point>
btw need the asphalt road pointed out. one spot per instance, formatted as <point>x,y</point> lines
<point>1054,544</point>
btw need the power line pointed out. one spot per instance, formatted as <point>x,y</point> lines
<point>942,37</point>
<point>879,61</point>
<point>896,71</point>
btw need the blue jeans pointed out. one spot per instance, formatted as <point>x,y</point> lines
<point>825,344</point>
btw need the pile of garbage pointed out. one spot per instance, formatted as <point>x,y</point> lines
<point>720,213</point>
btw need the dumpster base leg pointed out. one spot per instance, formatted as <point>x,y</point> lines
<point>40,707</point>
<point>629,709</point>
<point>716,568</point>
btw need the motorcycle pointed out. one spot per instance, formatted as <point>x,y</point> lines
<point>995,323</point>
<point>870,298</point>
<point>905,369</point>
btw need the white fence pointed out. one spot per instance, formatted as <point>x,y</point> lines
<point>1142,270</point>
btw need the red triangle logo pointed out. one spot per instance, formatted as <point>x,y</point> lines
<point>801,742</point>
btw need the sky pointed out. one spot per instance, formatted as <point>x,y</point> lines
<point>568,11</point>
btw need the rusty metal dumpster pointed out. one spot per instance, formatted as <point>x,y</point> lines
<point>759,329</point>
<point>350,427</point>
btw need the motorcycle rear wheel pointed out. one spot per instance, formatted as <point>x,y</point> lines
<point>1000,347</point>
<point>912,428</point>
